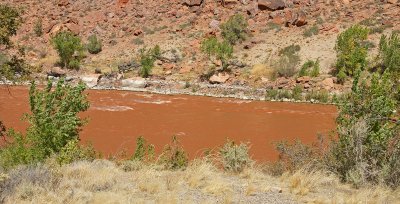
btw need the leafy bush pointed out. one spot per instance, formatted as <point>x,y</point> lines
<point>320,96</point>
<point>235,29</point>
<point>389,54</point>
<point>147,59</point>
<point>221,50</point>
<point>368,145</point>
<point>53,122</point>
<point>305,69</point>
<point>235,157</point>
<point>315,69</point>
<point>10,20</point>
<point>73,151</point>
<point>288,61</point>
<point>296,93</point>
<point>174,156</point>
<point>274,94</point>
<point>15,68</point>
<point>94,46</point>
<point>69,49</point>
<point>38,29</point>
<point>351,51</point>
<point>143,151</point>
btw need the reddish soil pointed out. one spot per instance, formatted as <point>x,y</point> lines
<point>117,118</point>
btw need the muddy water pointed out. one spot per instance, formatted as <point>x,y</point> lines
<point>116,118</point>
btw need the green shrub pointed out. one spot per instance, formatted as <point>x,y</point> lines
<point>314,30</point>
<point>315,69</point>
<point>271,94</point>
<point>320,96</point>
<point>147,59</point>
<point>53,123</point>
<point>235,157</point>
<point>38,29</point>
<point>143,152</point>
<point>221,50</point>
<point>288,61</point>
<point>389,54</point>
<point>174,156</point>
<point>10,20</point>
<point>94,46</point>
<point>235,29</point>
<point>305,69</point>
<point>351,51</point>
<point>296,93</point>
<point>69,49</point>
<point>16,68</point>
<point>73,151</point>
<point>368,145</point>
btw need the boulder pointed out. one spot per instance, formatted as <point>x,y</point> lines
<point>328,83</point>
<point>303,79</point>
<point>193,2</point>
<point>219,78</point>
<point>271,5</point>
<point>56,72</point>
<point>134,83</point>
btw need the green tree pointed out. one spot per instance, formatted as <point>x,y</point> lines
<point>389,54</point>
<point>368,146</point>
<point>351,51</point>
<point>220,50</point>
<point>147,59</point>
<point>235,29</point>
<point>54,121</point>
<point>10,20</point>
<point>69,49</point>
<point>94,46</point>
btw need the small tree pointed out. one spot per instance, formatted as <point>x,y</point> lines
<point>368,146</point>
<point>235,29</point>
<point>10,20</point>
<point>53,123</point>
<point>147,59</point>
<point>221,50</point>
<point>69,48</point>
<point>351,51</point>
<point>94,46</point>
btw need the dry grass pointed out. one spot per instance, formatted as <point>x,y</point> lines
<point>103,181</point>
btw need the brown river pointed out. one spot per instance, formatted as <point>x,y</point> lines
<point>117,118</point>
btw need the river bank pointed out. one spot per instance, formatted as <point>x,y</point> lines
<point>197,88</point>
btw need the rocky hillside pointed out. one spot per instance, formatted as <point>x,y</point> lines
<point>178,27</point>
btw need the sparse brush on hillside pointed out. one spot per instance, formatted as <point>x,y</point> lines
<point>288,61</point>
<point>53,123</point>
<point>94,46</point>
<point>235,29</point>
<point>351,51</point>
<point>69,49</point>
<point>38,29</point>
